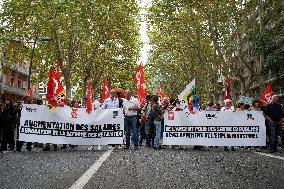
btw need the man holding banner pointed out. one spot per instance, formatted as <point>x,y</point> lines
<point>228,107</point>
<point>130,108</point>
<point>111,102</point>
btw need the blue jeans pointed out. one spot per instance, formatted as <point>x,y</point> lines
<point>274,132</point>
<point>149,131</point>
<point>130,124</point>
<point>158,127</point>
<point>142,134</point>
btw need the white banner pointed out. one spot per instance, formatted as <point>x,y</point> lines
<point>213,128</point>
<point>71,125</point>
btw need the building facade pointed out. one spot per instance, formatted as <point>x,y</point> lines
<point>14,80</point>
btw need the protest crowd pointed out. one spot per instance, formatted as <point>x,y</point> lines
<point>143,123</point>
<point>143,114</point>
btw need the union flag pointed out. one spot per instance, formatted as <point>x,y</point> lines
<point>227,93</point>
<point>89,98</point>
<point>266,95</point>
<point>105,90</point>
<point>139,79</point>
<point>159,92</point>
<point>55,92</point>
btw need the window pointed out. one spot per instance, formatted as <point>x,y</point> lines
<point>19,81</point>
<point>12,78</point>
<point>24,84</point>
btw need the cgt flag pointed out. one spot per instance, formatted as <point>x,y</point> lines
<point>160,92</point>
<point>227,93</point>
<point>30,94</point>
<point>105,90</point>
<point>139,79</point>
<point>55,92</point>
<point>266,95</point>
<point>89,98</point>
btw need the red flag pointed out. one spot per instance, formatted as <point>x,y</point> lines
<point>139,79</point>
<point>57,69</point>
<point>227,93</point>
<point>159,92</point>
<point>105,90</point>
<point>266,95</point>
<point>30,94</point>
<point>89,97</point>
<point>55,92</point>
<point>167,95</point>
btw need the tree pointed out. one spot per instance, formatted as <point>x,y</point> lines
<point>90,39</point>
<point>207,40</point>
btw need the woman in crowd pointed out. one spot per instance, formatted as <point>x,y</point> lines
<point>256,105</point>
<point>246,107</point>
<point>9,118</point>
<point>240,107</point>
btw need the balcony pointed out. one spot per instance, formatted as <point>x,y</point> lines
<point>17,91</point>
<point>13,90</point>
<point>16,67</point>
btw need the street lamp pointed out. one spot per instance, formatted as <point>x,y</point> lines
<point>45,39</point>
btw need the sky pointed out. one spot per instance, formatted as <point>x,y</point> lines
<point>143,32</point>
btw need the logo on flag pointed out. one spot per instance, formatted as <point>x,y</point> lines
<point>266,95</point>
<point>55,92</point>
<point>105,90</point>
<point>139,79</point>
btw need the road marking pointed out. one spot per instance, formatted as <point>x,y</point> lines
<point>269,155</point>
<point>83,180</point>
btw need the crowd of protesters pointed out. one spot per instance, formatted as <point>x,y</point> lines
<point>143,124</point>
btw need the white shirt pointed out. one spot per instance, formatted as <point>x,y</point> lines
<point>231,109</point>
<point>131,103</point>
<point>111,103</point>
<point>97,105</point>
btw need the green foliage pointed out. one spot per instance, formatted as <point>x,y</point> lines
<point>209,39</point>
<point>91,39</point>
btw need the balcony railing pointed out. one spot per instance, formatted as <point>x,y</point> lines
<point>13,90</point>
<point>18,91</point>
<point>16,67</point>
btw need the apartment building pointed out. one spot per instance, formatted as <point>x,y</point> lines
<point>14,80</point>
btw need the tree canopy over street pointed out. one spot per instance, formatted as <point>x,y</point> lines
<point>90,39</point>
<point>210,39</point>
<point>206,40</point>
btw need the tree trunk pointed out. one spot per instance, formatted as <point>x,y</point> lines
<point>68,88</point>
<point>242,82</point>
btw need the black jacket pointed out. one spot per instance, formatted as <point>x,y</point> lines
<point>9,116</point>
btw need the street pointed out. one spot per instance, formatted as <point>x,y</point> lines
<point>144,168</point>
